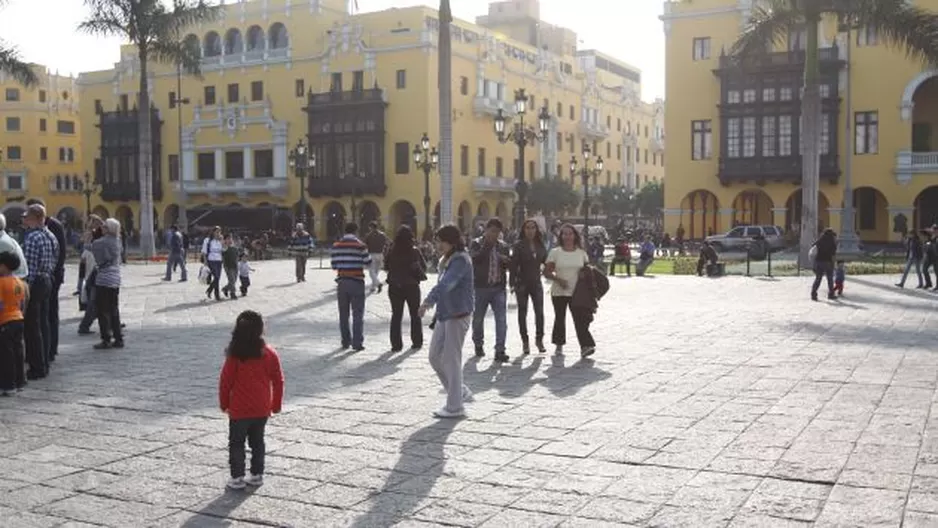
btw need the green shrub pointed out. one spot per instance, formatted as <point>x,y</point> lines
<point>685,266</point>
<point>853,268</point>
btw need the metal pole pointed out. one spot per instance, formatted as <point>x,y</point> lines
<point>847,241</point>
<point>303,173</point>
<point>427,230</point>
<point>183,218</point>
<point>521,185</point>
<point>586,202</point>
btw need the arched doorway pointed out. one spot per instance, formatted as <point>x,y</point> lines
<point>69,218</point>
<point>699,210</point>
<point>464,217</point>
<point>924,103</point>
<point>369,212</point>
<point>125,216</point>
<point>484,210</point>
<point>334,217</point>
<point>404,213</point>
<point>501,211</point>
<point>752,207</point>
<point>171,215</point>
<point>101,212</point>
<point>926,208</point>
<point>871,215</point>
<point>793,212</point>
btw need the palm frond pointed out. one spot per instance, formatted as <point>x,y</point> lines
<point>20,71</point>
<point>186,14</point>
<point>178,53</point>
<point>910,28</point>
<point>769,24</point>
<point>109,18</point>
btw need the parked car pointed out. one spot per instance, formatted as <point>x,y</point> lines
<point>740,238</point>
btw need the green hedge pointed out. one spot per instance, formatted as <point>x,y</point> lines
<point>855,268</point>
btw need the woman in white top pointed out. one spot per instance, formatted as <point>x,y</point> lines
<point>563,267</point>
<point>212,248</point>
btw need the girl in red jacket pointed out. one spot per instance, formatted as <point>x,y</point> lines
<point>251,388</point>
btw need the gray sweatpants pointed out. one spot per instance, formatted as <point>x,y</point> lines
<point>446,358</point>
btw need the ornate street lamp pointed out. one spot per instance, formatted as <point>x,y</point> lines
<point>426,159</point>
<point>522,136</point>
<point>586,174</point>
<point>303,162</point>
<point>89,188</point>
<point>178,100</point>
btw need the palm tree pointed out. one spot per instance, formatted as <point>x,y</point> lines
<point>156,30</point>
<point>10,64</point>
<point>912,29</point>
<point>445,85</point>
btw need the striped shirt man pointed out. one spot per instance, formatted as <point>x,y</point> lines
<point>350,258</point>
<point>41,250</point>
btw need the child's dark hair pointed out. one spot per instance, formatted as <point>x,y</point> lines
<point>247,338</point>
<point>839,262</point>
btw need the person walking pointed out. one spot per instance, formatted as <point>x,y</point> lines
<point>914,252</point>
<point>229,261</point>
<point>58,276</point>
<point>490,259</point>
<point>563,268</point>
<point>177,255</point>
<point>527,260</point>
<point>300,247</point>
<point>377,242</point>
<point>244,274</point>
<point>13,293</point>
<point>40,248</point>
<point>405,269</point>
<point>107,256</point>
<point>453,296</point>
<point>250,389</point>
<point>349,259</point>
<point>212,248</point>
<point>825,252</point>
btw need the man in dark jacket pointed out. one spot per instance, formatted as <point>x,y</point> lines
<point>177,255</point>
<point>929,260</point>
<point>58,277</point>
<point>377,242</point>
<point>490,259</point>
<point>300,247</point>
<point>913,255</point>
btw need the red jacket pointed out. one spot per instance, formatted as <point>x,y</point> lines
<point>251,388</point>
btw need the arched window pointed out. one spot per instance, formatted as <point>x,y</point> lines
<point>233,42</point>
<point>211,46</point>
<point>255,38</point>
<point>76,185</point>
<point>278,36</point>
<point>58,182</point>
<point>68,183</point>
<point>192,41</point>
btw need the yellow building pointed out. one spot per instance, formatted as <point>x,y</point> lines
<point>40,148</point>
<point>735,158</point>
<point>362,90</point>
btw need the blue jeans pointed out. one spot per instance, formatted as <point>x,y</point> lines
<point>908,267</point>
<point>497,298</point>
<point>172,261</point>
<point>351,295</point>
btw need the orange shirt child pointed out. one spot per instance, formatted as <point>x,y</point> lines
<point>12,299</point>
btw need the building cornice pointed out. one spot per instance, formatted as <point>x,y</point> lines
<point>743,7</point>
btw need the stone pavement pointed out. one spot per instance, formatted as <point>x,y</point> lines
<point>729,402</point>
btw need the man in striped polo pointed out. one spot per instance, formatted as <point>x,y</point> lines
<point>350,258</point>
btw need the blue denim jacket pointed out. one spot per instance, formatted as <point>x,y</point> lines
<point>454,291</point>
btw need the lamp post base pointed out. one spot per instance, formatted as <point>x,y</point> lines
<point>848,246</point>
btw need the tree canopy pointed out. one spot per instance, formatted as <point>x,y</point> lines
<point>650,198</point>
<point>551,196</point>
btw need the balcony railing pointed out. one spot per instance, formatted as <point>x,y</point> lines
<point>482,105</point>
<point>493,184</point>
<point>762,170</point>
<point>236,186</point>
<point>780,59</point>
<point>245,58</point>
<point>910,163</point>
<point>352,96</point>
<point>593,130</point>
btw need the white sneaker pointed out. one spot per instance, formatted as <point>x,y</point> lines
<point>236,483</point>
<point>254,480</point>
<point>559,350</point>
<point>467,395</point>
<point>445,413</point>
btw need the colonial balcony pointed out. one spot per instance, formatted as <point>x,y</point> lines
<point>483,184</point>
<point>489,106</point>
<point>593,130</point>
<point>781,169</point>
<point>656,144</point>
<point>374,95</point>
<point>232,60</point>
<point>241,187</point>
<point>910,163</point>
<point>782,60</point>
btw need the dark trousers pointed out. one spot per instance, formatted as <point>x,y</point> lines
<point>622,262</point>
<point>109,315</point>
<point>351,297</point>
<point>91,308</point>
<point>214,266</point>
<point>37,326</point>
<point>252,430</point>
<point>300,267</point>
<point>53,345</point>
<point>581,323</point>
<point>534,292</point>
<point>245,284</point>
<point>926,273</point>
<point>399,296</point>
<point>12,356</point>
<point>822,270</point>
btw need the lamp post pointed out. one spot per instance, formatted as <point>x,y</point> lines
<point>522,136</point>
<point>586,174</point>
<point>89,188</point>
<point>178,100</point>
<point>303,162</point>
<point>426,160</point>
<point>847,241</point>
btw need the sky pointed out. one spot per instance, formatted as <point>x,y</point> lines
<point>44,32</point>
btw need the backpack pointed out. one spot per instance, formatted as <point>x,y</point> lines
<point>600,282</point>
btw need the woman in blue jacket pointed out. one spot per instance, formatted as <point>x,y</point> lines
<point>453,297</point>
